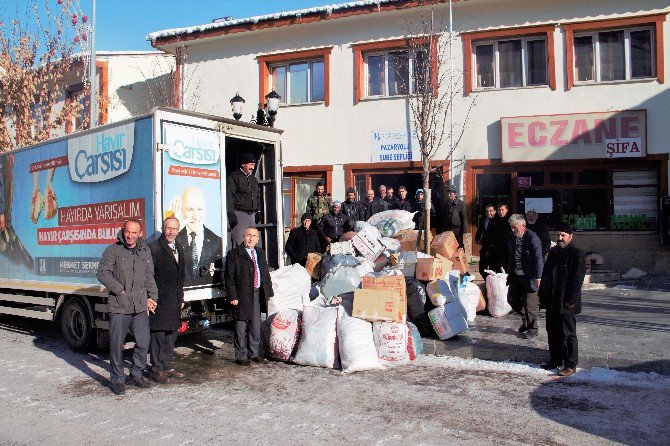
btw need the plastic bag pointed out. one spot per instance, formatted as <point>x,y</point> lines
<point>416,306</point>
<point>391,342</point>
<point>295,301</point>
<point>284,334</point>
<point>439,292</point>
<point>290,280</point>
<point>468,295</point>
<point>356,344</point>
<point>340,280</point>
<point>447,320</point>
<point>392,245</point>
<point>414,342</point>
<point>318,341</point>
<point>391,222</point>
<point>358,227</point>
<point>366,267</point>
<point>496,291</point>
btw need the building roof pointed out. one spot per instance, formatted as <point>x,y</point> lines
<point>224,27</point>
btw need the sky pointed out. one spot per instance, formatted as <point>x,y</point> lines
<point>124,24</point>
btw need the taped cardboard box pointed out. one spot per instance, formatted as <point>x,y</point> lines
<point>396,283</point>
<point>432,268</point>
<point>407,239</point>
<point>367,243</point>
<point>444,244</point>
<point>378,305</point>
<point>459,261</point>
<point>313,265</point>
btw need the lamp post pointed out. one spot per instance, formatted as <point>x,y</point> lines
<point>236,102</point>
<point>272,100</point>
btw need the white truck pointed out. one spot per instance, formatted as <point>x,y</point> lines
<point>65,200</point>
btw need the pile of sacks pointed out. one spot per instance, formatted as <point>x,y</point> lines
<point>375,298</point>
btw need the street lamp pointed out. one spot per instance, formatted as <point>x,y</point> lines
<point>236,102</point>
<point>272,100</point>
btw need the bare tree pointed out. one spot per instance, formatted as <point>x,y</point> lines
<point>431,96</point>
<point>36,58</point>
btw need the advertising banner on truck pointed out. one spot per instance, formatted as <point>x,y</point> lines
<point>192,193</point>
<point>64,202</point>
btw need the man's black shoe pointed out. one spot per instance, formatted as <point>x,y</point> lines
<point>118,389</point>
<point>549,365</point>
<point>523,328</point>
<point>530,333</point>
<point>243,362</point>
<point>259,359</point>
<point>142,383</point>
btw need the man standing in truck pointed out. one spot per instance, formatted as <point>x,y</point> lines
<point>242,198</point>
<point>127,271</point>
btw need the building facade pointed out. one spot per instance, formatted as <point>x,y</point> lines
<point>558,106</point>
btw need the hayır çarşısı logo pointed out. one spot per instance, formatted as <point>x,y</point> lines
<point>102,155</point>
<point>191,146</point>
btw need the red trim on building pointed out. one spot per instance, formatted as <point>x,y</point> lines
<point>359,64</point>
<point>265,61</point>
<point>475,36</point>
<point>103,91</point>
<point>316,169</point>
<point>648,20</point>
<point>176,78</point>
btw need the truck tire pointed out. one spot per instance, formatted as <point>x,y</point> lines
<point>76,325</point>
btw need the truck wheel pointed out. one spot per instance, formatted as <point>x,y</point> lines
<point>76,325</point>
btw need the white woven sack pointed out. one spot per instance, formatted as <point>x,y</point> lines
<point>468,295</point>
<point>318,340</point>
<point>391,342</point>
<point>357,345</point>
<point>284,334</point>
<point>496,291</point>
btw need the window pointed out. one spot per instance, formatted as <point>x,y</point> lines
<point>614,55</point>
<point>396,73</point>
<point>299,82</point>
<point>511,63</point>
<point>299,77</point>
<point>615,50</point>
<point>509,58</point>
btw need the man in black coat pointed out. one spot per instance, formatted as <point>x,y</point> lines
<point>373,205</point>
<point>248,285</point>
<point>354,210</point>
<point>334,224</point>
<point>302,240</point>
<point>540,229</point>
<point>455,218</point>
<point>561,295</point>
<point>169,258</point>
<point>242,197</point>
<point>525,273</point>
<point>202,247</point>
<point>485,240</point>
<point>403,202</point>
<point>500,233</point>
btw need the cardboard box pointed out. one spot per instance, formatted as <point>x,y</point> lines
<point>459,261</point>
<point>407,239</point>
<point>444,244</point>
<point>378,305</point>
<point>396,283</point>
<point>432,268</point>
<point>367,244</point>
<point>313,265</point>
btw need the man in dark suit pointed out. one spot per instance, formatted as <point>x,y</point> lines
<point>484,239</point>
<point>455,217</point>
<point>202,247</point>
<point>168,256</point>
<point>525,273</point>
<point>561,294</point>
<point>248,285</point>
<point>499,234</point>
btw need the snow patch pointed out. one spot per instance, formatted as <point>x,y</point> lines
<point>480,364</point>
<point>615,377</point>
<point>633,273</point>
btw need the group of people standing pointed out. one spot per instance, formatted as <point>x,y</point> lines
<point>325,220</point>
<point>538,276</point>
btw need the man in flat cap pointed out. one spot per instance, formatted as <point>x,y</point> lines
<point>455,218</point>
<point>242,198</point>
<point>561,295</point>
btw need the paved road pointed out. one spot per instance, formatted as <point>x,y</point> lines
<point>50,395</point>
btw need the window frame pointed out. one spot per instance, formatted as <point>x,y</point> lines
<point>470,39</point>
<point>287,83</point>
<point>265,62</point>
<point>496,60</point>
<point>655,22</point>
<point>628,62</point>
<point>411,81</point>
<point>360,50</point>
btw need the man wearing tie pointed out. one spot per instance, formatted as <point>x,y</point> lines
<point>168,256</point>
<point>248,287</point>
<point>202,247</point>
